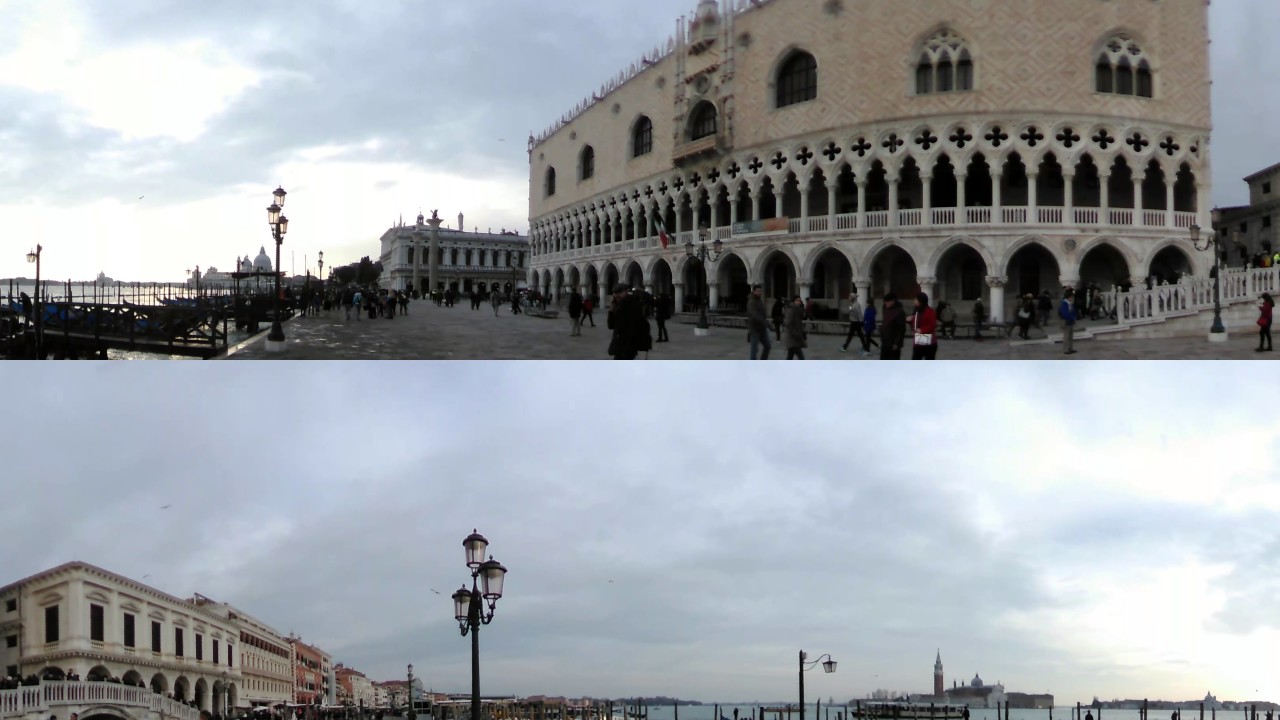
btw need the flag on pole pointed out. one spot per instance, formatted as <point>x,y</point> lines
<point>662,232</point>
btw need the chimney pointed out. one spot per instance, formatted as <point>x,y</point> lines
<point>460,227</point>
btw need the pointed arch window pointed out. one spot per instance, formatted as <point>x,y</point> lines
<point>1124,69</point>
<point>642,137</point>
<point>703,122</point>
<point>551,182</point>
<point>797,79</point>
<point>945,64</point>
<point>587,164</point>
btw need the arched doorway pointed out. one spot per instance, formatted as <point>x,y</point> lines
<point>202,694</point>
<point>53,673</point>
<point>962,279</point>
<point>159,684</point>
<point>593,282</point>
<point>731,277</point>
<point>575,279</point>
<point>1103,267</point>
<point>218,695</point>
<point>695,286</point>
<point>1169,265</point>
<point>97,673</point>
<point>662,281</point>
<point>233,696</point>
<point>100,715</point>
<point>779,276</point>
<point>831,283</point>
<point>558,287</point>
<point>182,689</point>
<point>635,275</point>
<point>894,271</point>
<point>1033,269</point>
<point>610,279</point>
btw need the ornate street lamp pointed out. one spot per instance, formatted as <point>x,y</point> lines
<point>409,693</point>
<point>279,225</point>
<point>703,255</point>
<point>468,605</point>
<point>1217,333</point>
<point>34,257</point>
<point>828,666</point>
<point>321,275</point>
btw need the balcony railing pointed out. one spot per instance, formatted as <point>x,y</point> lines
<point>83,694</point>
<point>915,218</point>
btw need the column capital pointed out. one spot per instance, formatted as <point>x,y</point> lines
<point>862,281</point>
<point>997,281</point>
<point>926,281</point>
<point>1068,281</point>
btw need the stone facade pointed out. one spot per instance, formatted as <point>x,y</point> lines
<point>956,146</point>
<point>266,659</point>
<point>1251,229</point>
<point>467,261</point>
<point>80,618</point>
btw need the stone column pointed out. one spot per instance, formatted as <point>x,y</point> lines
<point>1033,199</point>
<point>1168,203</point>
<point>893,201</point>
<point>433,262</point>
<point>863,286</point>
<point>926,210</point>
<point>928,286</point>
<point>679,229</point>
<point>755,204</point>
<point>1069,199</point>
<point>997,199</point>
<point>962,213</point>
<point>777,202</point>
<point>862,203</point>
<point>997,283</point>
<point>733,211</point>
<point>804,203</point>
<point>417,258</point>
<point>1104,196</point>
<point>678,291</point>
<point>832,187</point>
<point>1137,201</point>
<point>697,220</point>
<point>713,293</point>
<point>715,218</point>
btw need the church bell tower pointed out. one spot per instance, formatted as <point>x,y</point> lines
<point>937,675</point>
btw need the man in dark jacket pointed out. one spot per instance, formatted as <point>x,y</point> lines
<point>663,313</point>
<point>893,329</point>
<point>758,324</point>
<point>630,329</point>
<point>1067,311</point>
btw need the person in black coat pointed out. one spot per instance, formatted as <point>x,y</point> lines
<point>776,315</point>
<point>630,329</point>
<point>893,328</point>
<point>663,314</point>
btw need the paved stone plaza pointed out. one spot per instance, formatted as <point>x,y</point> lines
<point>459,333</point>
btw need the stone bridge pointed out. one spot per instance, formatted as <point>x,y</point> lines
<point>92,701</point>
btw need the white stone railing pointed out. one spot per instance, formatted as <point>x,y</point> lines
<point>49,694</point>
<point>915,218</point>
<point>1141,305</point>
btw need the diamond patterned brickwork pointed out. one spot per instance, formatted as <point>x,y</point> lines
<point>1032,58</point>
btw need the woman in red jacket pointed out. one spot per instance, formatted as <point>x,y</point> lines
<point>1265,306</point>
<point>925,322</point>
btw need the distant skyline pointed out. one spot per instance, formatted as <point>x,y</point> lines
<point>1103,530</point>
<point>151,133</point>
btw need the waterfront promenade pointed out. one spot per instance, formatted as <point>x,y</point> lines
<point>459,333</point>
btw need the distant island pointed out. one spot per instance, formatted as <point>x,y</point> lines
<point>1209,702</point>
<point>660,700</point>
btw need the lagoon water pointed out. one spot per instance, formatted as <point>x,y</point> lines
<point>707,712</point>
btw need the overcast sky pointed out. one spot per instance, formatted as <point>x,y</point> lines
<point>1105,530</point>
<point>144,137</point>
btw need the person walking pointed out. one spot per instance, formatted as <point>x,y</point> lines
<point>776,315</point>
<point>1026,313</point>
<point>758,324</point>
<point>1067,311</point>
<point>630,329</point>
<point>855,322</point>
<point>793,337</point>
<point>1045,306</point>
<point>496,300</point>
<point>946,321</point>
<point>575,314</point>
<point>1265,306</point>
<point>893,329</point>
<point>869,327</point>
<point>588,304</point>
<point>979,317</point>
<point>925,323</point>
<point>347,298</point>
<point>662,312</point>
<point>357,303</point>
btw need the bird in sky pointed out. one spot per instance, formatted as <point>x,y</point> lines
<point>610,582</point>
<point>165,507</point>
<point>144,577</point>
<point>435,591</point>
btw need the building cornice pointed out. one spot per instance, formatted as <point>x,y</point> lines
<point>133,661</point>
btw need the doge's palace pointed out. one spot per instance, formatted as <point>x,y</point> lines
<point>969,148</point>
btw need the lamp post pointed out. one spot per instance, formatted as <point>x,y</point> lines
<point>828,666</point>
<point>468,604</point>
<point>279,225</point>
<point>703,255</point>
<point>321,274</point>
<point>34,257</point>
<point>1217,333</point>
<point>409,692</point>
<point>514,261</point>
<point>226,695</point>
